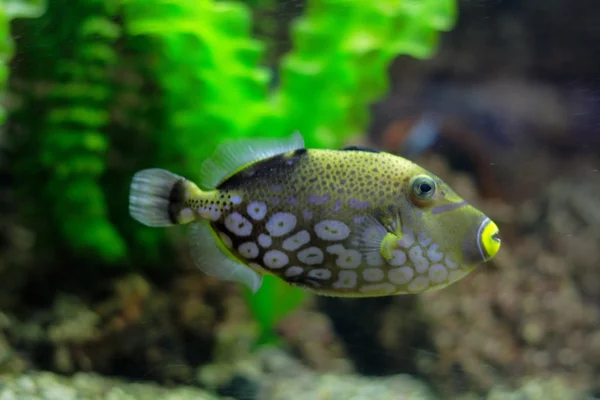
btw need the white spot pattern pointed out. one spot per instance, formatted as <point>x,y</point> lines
<point>434,254</point>
<point>257,210</point>
<point>294,270</point>
<point>450,262</point>
<point>408,238</point>
<point>419,261</point>
<point>335,248</point>
<point>398,258</point>
<point>281,223</point>
<point>346,279</point>
<point>296,241</point>
<point>332,230</point>
<point>186,215</point>
<point>265,240</point>
<point>275,259</point>
<point>238,225</point>
<point>374,259</point>
<point>320,273</point>
<point>211,212</point>
<point>311,256</point>
<point>419,284</point>
<point>235,199</point>
<point>248,250</point>
<point>372,274</point>
<point>424,240</point>
<point>401,276</point>
<point>437,273</point>
<point>349,259</point>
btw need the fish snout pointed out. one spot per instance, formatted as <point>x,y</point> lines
<point>483,243</point>
<point>488,239</point>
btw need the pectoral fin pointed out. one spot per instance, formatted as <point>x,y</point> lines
<point>389,243</point>
<point>374,237</point>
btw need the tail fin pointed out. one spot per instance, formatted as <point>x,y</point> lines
<point>156,197</point>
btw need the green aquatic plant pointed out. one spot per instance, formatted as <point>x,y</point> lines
<point>208,71</point>
<point>341,50</point>
<point>275,300</point>
<point>210,85</point>
<point>9,10</point>
<point>74,140</point>
<point>337,68</point>
<point>73,56</point>
<point>136,122</point>
<point>206,48</point>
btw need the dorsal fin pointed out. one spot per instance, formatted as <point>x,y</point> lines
<point>232,155</point>
<point>360,148</point>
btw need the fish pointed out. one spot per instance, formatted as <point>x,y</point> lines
<point>349,222</point>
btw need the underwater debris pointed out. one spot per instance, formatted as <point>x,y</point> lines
<point>136,331</point>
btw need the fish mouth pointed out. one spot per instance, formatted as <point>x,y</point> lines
<point>496,237</point>
<point>489,239</point>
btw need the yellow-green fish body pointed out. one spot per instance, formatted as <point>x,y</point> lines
<point>352,222</point>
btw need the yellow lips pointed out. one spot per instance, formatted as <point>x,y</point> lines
<point>490,240</point>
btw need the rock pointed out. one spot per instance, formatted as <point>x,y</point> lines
<point>240,388</point>
<point>137,329</point>
<point>538,389</point>
<point>293,382</point>
<point>83,386</point>
<point>276,375</point>
<point>348,387</point>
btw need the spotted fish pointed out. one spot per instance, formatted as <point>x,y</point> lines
<point>353,222</point>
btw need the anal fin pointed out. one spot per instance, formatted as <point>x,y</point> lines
<point>213,259</point>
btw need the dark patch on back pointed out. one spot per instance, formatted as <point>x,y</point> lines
<point>176,199</point>
<point>360,148</point>
<point>299,152</point>
<point>261,169</point>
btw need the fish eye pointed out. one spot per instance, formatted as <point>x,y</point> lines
<point>423,187</point>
